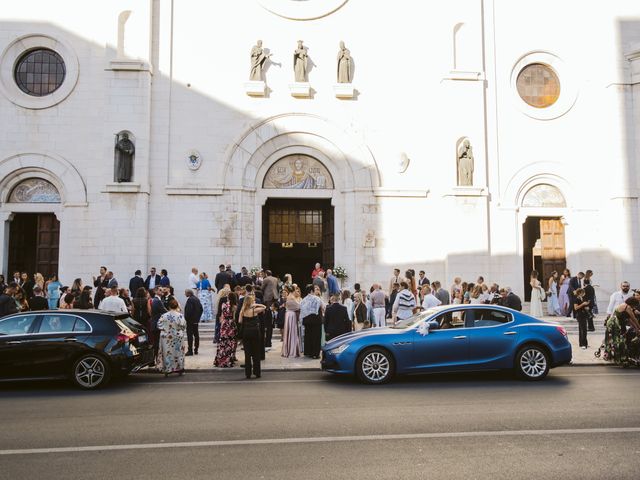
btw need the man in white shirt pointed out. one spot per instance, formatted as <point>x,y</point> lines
<point>430,301</point>
<point>395,279</point>
<point>619,297</point>
<point>193,279</point>
<point>113,303</point>
<point>377,298</point>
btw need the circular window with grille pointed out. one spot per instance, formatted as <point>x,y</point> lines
<point>538,85</point>
<point>39,72</point>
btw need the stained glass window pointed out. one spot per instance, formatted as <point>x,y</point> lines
<point>543,195</point>
<point>538,85</point>
<point>40,72</point>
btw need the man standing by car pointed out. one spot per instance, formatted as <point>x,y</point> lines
<point>269,295</point>
<point>37,301</point>
<point>192,314</point>
<point>377,299</point>
<point>136,282</point>
<point>336,319</point>
<point>7,303</point>
<point>510,299</point>
<point>113,303</point>
<point>157,310</point>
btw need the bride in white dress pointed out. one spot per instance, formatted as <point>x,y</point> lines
<point>537,295</point>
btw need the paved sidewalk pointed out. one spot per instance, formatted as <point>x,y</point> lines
<point>275,362</point>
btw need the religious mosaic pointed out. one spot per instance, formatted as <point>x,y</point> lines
<point>298,172</point>
<point>35,190</point>
<point>543,195</point>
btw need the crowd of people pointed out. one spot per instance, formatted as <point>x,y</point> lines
<point>247,306</point>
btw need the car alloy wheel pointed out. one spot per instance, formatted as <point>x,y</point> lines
<point>90,372</point>
<point>533,363</point>
<point>375,366</point>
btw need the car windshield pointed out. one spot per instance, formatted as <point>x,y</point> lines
<point>415,319</point>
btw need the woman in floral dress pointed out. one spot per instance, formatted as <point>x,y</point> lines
<point>615,348</point>
<point>228,333</point>
<point>172,327</point>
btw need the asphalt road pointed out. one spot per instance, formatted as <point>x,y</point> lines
<point>581,422</point>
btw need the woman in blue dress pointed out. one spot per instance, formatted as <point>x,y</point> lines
<point>53,291</point>
<point>553,305</point>
<point>204,294</point>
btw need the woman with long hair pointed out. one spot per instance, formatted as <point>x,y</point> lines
<point>140,309</point>
<point>553,305</point>
<point>222,299</point>
<point>228,332</point>
<point>76,287</point>
<point>410,276</point>
<point>563,296</point>
<point>360,320</point>
<point>53,291</point>
<point>290,336</point>
<point>38,280</point>
<point>537,295</point>
<point>84,300</point>
<point>251,337</point>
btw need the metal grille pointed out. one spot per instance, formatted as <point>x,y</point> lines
<point>40,72</point>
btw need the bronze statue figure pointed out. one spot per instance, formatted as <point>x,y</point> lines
<point>124,154</point>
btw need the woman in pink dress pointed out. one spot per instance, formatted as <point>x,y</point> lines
<point>290,337</point>
<point>563,296</point>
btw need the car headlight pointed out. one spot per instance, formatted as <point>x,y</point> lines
<point>339,350</point>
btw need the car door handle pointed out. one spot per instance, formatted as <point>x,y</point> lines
<point>71,339</point>
<point>14,342</point>
<point>509,333</point>
<point>460,337</point>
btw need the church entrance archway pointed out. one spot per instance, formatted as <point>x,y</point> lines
<point>543,249</point>
<point>296,234</point>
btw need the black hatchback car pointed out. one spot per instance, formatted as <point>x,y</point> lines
<point>87,346</point>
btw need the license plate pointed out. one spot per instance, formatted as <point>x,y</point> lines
<point>142,338</point>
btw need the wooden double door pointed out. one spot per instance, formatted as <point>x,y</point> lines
<point>543,249</point>
<point>34,243</point>
<point>295,235</point>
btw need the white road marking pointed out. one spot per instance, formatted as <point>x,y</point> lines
<point>352,438</point>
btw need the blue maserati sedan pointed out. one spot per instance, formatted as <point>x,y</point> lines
<point>454,338</point>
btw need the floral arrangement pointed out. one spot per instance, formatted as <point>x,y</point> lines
<point>340,272</point>
<point>255,270</point>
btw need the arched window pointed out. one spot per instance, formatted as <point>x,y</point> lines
<point>298,172</point>
<point>543,195</point>
<point>34,190</point>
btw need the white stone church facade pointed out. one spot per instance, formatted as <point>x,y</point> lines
<point>365,174</point>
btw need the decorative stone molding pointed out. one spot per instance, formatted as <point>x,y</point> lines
<point>464,76</point>
<point>568,86</point>
<point>300,89</point>
<point>344,90</point>
<point>390,192</point>
<point>123,187</point>
<point>193,190</point>
<point>53,168</point>
<point>19,47</point>
<point>255,88</point>
<point>302,10</point>
<point>467,192</point>
<point>129,64</point>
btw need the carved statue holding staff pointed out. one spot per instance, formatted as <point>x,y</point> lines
<point>125,152</point>
<point>300,62</point>
<point>344,65</point>
<point>258,59</point>
<point>465,164</point>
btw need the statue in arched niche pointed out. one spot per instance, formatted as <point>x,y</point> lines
<point>465,164</point>
<point>125,152</point>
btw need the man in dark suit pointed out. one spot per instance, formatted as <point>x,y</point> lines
<point>422,280</point>
<point>135,283</point>
<point>574,284</point>
<point>37,301</point>
<point>164,279</point>
<point>157,310</point>
<point>510,299</point>
<point>152,281</point>
<point>7,303</point>
<point>269,295</point>
<point>221,278</point>
<point>192,314</point>
<point>336,319</point>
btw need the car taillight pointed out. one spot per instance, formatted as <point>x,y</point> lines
<point>562,331</point>
<point>126,337</point>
